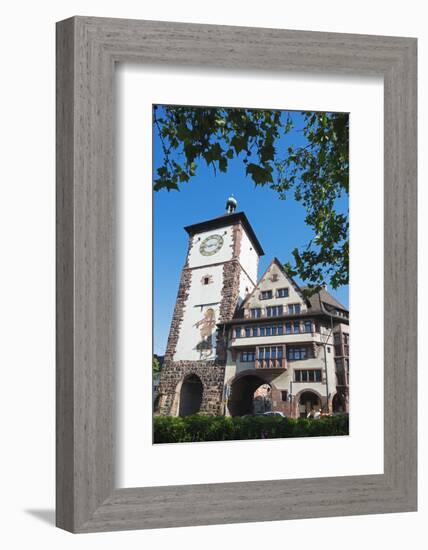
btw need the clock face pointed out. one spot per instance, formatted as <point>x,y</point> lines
<point>211,245</point>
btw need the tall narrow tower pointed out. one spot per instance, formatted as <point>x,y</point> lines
<point>219,271</point>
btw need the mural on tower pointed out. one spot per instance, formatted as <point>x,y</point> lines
<point>251,271</point>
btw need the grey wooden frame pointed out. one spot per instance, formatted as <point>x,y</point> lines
<point>87,50</point>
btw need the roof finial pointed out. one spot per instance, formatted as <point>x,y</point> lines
<point>231,204</point>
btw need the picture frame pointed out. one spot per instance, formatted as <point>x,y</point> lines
<point>87,50</point>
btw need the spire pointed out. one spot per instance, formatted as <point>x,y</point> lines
<point>231,204</point>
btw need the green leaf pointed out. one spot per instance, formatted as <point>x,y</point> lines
<point>260,174</point>
<point>238,143</point>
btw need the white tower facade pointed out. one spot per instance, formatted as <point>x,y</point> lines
<point>220,270</point>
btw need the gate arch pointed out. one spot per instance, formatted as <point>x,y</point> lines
<point>307,401</point>
<point>191,393</point>
<point>339,403</point>
<point>242,398</point>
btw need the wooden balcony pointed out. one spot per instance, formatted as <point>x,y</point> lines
<point>271,363</point>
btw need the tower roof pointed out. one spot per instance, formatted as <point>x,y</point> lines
<point>222,221</point>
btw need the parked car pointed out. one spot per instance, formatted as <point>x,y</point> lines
<point>274,413</point>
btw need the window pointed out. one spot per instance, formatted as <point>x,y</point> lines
<point>256,312</point>
<point>309,375</point>
<point>237,332</point>
<point>307,326</point>
<point>272,352</point>
<point>274,311</point>
<point>248,356</point>
<point>284,395</point>
<point>328,349</point>
<point>282,293</point>
<point>247,332</point>
<point>296,327</point>
<point>266,330</point>
<point>287,327</point>
<point>265,294</point>
<point>206,279</point>
<point>297,354</point>
<point>293,308</point>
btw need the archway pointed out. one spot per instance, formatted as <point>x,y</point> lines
<point>308,403</point>
<point>190,395</point>
<point>250,394</point>
<point>339,404</point>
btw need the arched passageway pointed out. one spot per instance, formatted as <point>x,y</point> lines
<point>309,402</point>
<point>190,395</point>
<point>339,404</point>
<point>249,395</point>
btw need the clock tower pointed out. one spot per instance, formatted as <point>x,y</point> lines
<point>219,271</point>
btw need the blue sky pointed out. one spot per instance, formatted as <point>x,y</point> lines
<point>278,224</point>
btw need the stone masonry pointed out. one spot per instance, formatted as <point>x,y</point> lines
<point>182,295</point>
<point>175,372</point>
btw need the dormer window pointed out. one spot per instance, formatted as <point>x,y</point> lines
<point>274,311</point>
<point>282,293</point>
<point>256,312</point>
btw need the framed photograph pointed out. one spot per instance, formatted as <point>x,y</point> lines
<point>232,203</point>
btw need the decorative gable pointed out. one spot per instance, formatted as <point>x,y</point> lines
<point>275,289</point>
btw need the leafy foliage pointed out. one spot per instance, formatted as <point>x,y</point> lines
<point>314,174</point>
<point>199,427</point>
<point>155,366</point>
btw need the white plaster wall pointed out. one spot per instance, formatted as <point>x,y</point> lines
<point>225,253</point>
<point>201,297</point>
<point>248,257</point>
<point>308,386</point>
<point>229,372</point>
<point>206,294</point>
<point>244,283</point>
<point>281,339</point>
<point>243,365</point>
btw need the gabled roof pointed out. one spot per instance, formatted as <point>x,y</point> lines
<point>281,268</point>
<point>222,221</point>
<point>324,297</point>
<point>316,303</point>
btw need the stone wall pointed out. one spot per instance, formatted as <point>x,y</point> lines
<point>182,295</point>
<point>230,290</point>
<point>175,372</point>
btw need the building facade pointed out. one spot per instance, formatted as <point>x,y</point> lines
<point>238,345</point>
